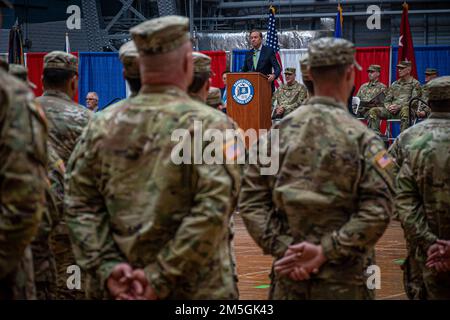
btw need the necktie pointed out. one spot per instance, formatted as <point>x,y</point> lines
<point>255,59</point>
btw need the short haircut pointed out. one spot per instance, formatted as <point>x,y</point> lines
<point>57,78</point>
<point>259,32</point>
<point>134,84</point>
<point>199,81</point>
<point>440,105</point>
<point>93,93</point>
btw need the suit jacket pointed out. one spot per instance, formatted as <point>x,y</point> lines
<point>267,61</point>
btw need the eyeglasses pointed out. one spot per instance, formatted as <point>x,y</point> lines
<point>91,99</point>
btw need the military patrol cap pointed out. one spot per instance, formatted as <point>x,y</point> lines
<point>161,35</point>
<point>128,54</point>
<point>21,72</point>
<point>404,64</point>
<point>202,63</point>
<point>439,88</point>
<point>61,60</point>
<point>290,71</point>
<point>214,97</point>
<point>331,52</point>
<point>374,68</point>
<point>431,71</point>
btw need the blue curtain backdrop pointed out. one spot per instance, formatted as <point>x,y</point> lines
<point>238,60</point>
<point>426,57</point>
<point>101,72</point>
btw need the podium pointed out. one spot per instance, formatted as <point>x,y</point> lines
<point>249,100</point>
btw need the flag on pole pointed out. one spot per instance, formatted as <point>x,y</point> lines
<point>405,42</point>
<point>67,45</point>
<point>272,41</point>
<point>339,22</point>
<point>15,51</point>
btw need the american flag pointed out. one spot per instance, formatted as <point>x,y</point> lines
<point>272,41</point>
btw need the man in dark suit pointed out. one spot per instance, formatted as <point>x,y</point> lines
<point>261,59</point>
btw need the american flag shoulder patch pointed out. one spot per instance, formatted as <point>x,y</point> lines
<point>231,150</point>
<point>382,159</point>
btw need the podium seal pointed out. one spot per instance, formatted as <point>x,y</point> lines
<point>242,91</point>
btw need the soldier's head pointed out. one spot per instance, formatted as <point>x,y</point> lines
<point>332,67</point>
<point>439,94</point>
<point>430,74</point>
<point>129,56</point>
<point>289,74</point>
<point>202,73</point>
<point>306,78</point>
<point>404,69</point>
<point>256,38</point>
<point>165,51</point>
<point>61,72</point>
<point>21,72</point>
<point>214,98</point>
<point>374,72</point>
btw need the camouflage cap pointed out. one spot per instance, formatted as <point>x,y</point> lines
<point>61,60</point>
<point>19,71</point>
<point>128,55</point>
<point>374,68</point>
<point>431,71</point>
<point>330,52</point>
<point>439,88</point>
<point>161,35</point>
<point>214,97</point>
<point>404,64</point>
<point>290,70</point>
<point>202,63</point>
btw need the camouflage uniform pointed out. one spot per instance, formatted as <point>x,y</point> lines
<point>423,186</point>
<point>422,107</point>
<point>128,201</point>
<point>23,159</point>
<point>290,97</point>
<point>332,188</point>
<point>67,120</point>
<point>400,92</point>
<point>370,90</point>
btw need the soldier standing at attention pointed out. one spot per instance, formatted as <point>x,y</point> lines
<point>23,161</point>
<point>423,187</point>
<point>136,216</point>
<point>67,120</point>
<point>330,201</point>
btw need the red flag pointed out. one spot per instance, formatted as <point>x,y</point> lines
<point>405,42</point>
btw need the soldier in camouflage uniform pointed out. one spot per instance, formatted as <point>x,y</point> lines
<point>371,89</point>
<point>424,110</point>
<point>21,72</point>
<point>23,159</point>
<point>199,88</point>
<point>67,120</point>
<point>396,103</point>
<point>129,57</point>
<point>423,187</point>
<point>214,98</point>
<point>332,192</point>
<point>289,96</point>
<point>306,77</point>
<point>129,205</point>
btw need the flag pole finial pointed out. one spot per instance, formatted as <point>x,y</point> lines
<point>405,5</point>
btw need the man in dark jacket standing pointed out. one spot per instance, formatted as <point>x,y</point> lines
<point>261,59</point>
